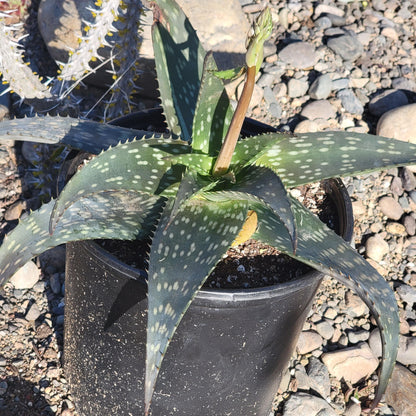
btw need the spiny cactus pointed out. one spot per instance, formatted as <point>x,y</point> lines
<point>13,68</point>
<point>115,25</point>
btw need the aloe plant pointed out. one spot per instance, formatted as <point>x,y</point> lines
<point>194,191</point>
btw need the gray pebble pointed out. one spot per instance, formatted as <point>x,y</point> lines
<point>300,55</point>
<point>376,248</point>
<point>323,22</point>
<point>33,313</point>
<point>321,87</point>
<point>404,202</point>
<point>336,20</point>
<point>266,80</point>
<point>319,109</point>
<point>348,47</point>
<point>340,84</point>
<point>409,223</point>
<point>275,110</point>
<point>325,329</point>
<point>408,179</point>
<point>407,293</point>
<point>396,186</point>
<point>297,88</point>
<point>353,409</point>
<point>403,84</point>
<point>305,404</point>
<point>357,336</point>
<point>319,377</point>
<point>350,101</point>
<point>390,208</point>
<point>302,378</point>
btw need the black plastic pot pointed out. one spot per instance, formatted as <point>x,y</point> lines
<point>226,358</point>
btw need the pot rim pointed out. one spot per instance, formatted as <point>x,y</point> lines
<point>222,294</point>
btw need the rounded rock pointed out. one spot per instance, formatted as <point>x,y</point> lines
<point>390,208</point>
<point>347,46</point>
<point>308,341</point>
<point>386,101</point>
<point>409,223</point>
<point>297,88</point>
<point>350,102</point>
<point>306,126</point>
<point>33,313</point>
<point>351,364</point>
<point>396,228</point>
<point>300,55</point>
<point>321,87</point>
<point>401,391</point>
<point>395,124</point>
<point>26,277</point>
<point>376,248</point>
<point>319,109</point>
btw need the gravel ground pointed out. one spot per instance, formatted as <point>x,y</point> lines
<point>353,61</point>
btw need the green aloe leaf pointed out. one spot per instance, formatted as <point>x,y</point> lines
<point>325,251</point>
<point>183,253</point>
<point>141,165</point>
<point>248,150</point>
<point>198,162</point>
<point>87,135</point>
<point>119,215</point>
<point>213,112</point>
<point>310,157</point>
<point>264,184</point>
<point>179,59</point>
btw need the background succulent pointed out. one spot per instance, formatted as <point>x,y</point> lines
<point>165,188</point>
<point>114,24</point>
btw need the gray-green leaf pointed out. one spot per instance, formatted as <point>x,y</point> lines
<point>87,135</point>
<point>141,165</point>
<point>325,251</point>
<point>213,112</point>
<point>179,60</point>
<point>119,215</point>
<point>310,157</point>
<point>184,251</point>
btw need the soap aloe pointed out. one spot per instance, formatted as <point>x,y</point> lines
<point>174,190</point>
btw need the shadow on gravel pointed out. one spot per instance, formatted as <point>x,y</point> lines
<point>22,398</point>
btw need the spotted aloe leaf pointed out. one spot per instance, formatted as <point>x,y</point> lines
<point>248,150</point>
<point>325,251</point>
<point>87,135</point>
<point>191,184</point>
<point>264,184</point>
<point>184,251</point>
<point>142,165</point>
<point>196,161</point>
<point>213,112</point>
<point>179,59</point>
<point>310,157</point>
<point>110,214</point>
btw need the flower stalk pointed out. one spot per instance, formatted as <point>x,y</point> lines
<point>262,30</point>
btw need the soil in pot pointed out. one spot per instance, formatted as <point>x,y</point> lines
<point>251,264</point>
